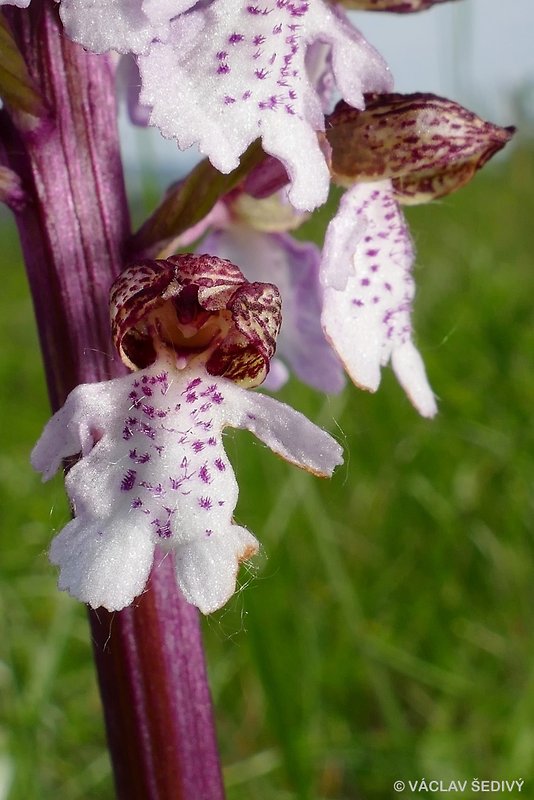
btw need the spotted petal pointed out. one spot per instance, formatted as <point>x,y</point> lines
<point>154,471</point>
<point>367,304</point>
<point>287,432</point>
<point>242,75</point>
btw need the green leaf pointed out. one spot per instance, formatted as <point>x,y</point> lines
<point>187,202</point>
<point>17,89</point>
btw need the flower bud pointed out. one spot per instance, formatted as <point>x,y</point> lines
<point>272,214</point>
<point>427,145</point>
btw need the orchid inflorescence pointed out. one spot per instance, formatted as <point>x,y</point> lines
<point>283,97</point>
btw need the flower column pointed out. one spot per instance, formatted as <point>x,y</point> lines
<point>73,228</point>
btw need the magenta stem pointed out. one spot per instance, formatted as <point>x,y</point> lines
<point>73,230</point>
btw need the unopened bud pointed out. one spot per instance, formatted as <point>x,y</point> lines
<point>427,145</point>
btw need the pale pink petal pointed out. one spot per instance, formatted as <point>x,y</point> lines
<point>87,412</point>
<point>409,368</point>
<point>104,25</point>
<point>124,26</point>
<point>287,432</point>
<point>321,74</point>
<point>129,86</point>
<point>368,321</point>
<point>277,376</point>
<point>294,268</point>
<point>161,11</point>
<point>358,68</point>
<point>218,217</point>
<point>342,237</point>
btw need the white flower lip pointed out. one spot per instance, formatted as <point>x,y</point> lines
<point>153,472</point>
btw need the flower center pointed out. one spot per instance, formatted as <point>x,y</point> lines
<point>190,334</point>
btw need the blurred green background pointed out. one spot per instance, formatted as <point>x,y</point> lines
<point>385,631</point>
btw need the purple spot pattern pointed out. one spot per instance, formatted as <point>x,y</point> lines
<point>169,460</point>
<point>383,259</point>
<point>128,481</point>
<point>262,57</point>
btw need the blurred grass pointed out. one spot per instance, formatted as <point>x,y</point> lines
<point>385,631</point>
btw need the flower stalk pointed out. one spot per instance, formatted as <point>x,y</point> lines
<point>73,228</point>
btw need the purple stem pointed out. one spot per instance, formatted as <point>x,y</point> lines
<point>149,657</point>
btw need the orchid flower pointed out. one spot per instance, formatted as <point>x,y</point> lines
<point>153,470</point>
<point>236,71</point>
<point>150,484</point>
<point>402,148</point>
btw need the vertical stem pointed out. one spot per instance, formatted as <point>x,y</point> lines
<point>154,688</point>
<point>149,657</point>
